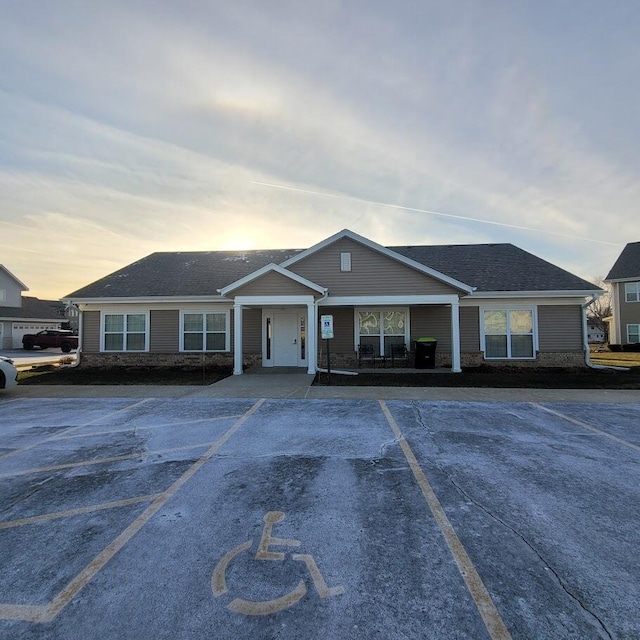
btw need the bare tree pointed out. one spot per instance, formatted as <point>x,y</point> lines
<point>601,308</point>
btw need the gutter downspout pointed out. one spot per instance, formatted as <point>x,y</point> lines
<point>79,349</point>
<point>585,341</point>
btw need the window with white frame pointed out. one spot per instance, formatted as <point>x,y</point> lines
<point>382,328</point>
<point>125,332</point>
<point>508,333</point>
<point>205,331</point>
<point>633,333</point>
<point>632,291</point>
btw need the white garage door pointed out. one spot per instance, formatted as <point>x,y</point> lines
<point>21,328</point>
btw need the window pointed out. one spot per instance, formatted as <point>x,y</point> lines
<point>125,332</point>
<point>633,333</point>
<point>345,261</point>
<point>203,331</point>
<point>632,291</point>
<point>508,333</point>
<point>3,295</point>
<point>382,328</point>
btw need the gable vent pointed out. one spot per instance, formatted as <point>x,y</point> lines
<point>345,262</point>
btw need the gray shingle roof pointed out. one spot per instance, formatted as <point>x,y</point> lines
<point>488,267</point>
<point>496,267</point>
<point>628,263</point>
<point>34,308</point>
<point>183,273</point>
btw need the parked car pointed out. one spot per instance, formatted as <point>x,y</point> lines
<point>8,373</point>
<point>63,338</point>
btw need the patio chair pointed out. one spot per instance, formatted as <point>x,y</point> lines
<point>399,355</point>
<point>367,354</point>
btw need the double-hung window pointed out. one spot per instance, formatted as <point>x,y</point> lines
<point>633,333</point>
<point>632,291</point>
<point>205,331</point>
<point>382,328</point>
<point>125,332</point>
<point>508,333</point>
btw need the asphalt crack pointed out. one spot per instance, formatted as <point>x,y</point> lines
<point>599,622</point>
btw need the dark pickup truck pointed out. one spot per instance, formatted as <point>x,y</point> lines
<point>48,338</point>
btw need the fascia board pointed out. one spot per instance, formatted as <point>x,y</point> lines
<point>143,300</point>
<point>346,233</point>
<point>26,319</point>
<point>535,294</point>
<point>269,268</point>
<point>612,280</point>
<point>369,301</point>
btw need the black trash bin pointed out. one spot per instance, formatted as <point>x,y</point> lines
<point>425,350</point>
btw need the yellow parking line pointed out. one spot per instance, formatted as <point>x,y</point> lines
<point>46,613</point>
<point>88,434</point>
<point>9,524</point>
<point>71,430</point>
<point>584,425</point>
<point>86,463</point>
<point>486,608</point>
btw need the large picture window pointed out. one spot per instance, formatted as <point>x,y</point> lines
<point>508,333</point>
<point>203,331</point>
<point>633,333</point>
<point>382,328</point>
<point>125,332</point>
<point>632,291</point>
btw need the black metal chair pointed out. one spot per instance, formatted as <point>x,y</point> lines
<point>367,354</point>
<point>399,355</point>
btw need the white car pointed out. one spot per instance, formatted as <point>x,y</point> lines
<point>8,373</point>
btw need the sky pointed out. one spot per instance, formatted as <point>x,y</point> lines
<point>140,126</point>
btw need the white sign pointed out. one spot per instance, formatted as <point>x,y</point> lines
<point>326,327</point>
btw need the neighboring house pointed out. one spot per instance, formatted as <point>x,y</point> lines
<point>595,334</point>
<point>22,314</point>
<point>492,303</point>
<point>624,277</point>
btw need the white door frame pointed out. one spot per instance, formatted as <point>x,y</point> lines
<point>270,319</point>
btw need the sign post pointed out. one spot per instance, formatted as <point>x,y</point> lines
<point>326,331</point>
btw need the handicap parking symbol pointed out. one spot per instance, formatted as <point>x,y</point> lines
<point>264,553</point>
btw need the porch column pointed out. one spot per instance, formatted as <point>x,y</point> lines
<point>312,339</point>
<point>455,337</point>
<point>237,339</point>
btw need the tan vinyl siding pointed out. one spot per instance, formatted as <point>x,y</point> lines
<point>343,329</point>
<point>432,321</point>
<point>91,331</point>
<point>273,284</point>
<point>629,314</point>
<point>560,328</point>
<point>470,329</point>
<point>372,273</point>
<point>164,336</point>
<point>251,331</point>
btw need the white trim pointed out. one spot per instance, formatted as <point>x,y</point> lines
<point>274,301</point>
<point>147,331</point>
<point>553,293</point>
<point>507,308</point>
<point>455,339</point>
<point>402,300</point>
<point>637,291</point>
<point>548,302</point>
<point>346,233</point>
<point>345,261</point>
<point>267,269</point>
<point>237,339</point>
<point>616,280</point>
<point>22,284</point>
<point>204,312</point>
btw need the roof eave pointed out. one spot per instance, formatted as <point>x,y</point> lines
<point>557,293</point>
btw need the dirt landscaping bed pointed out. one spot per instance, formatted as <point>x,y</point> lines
<point>488,377</point>
<point>50,374</point>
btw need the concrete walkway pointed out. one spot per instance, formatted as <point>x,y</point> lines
<point>298,386</point>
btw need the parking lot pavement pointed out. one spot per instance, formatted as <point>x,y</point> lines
<point>198,518</point>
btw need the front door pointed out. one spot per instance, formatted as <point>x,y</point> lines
<point>285,339</point>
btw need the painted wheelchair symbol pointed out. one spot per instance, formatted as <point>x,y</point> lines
<point>266,607</point>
